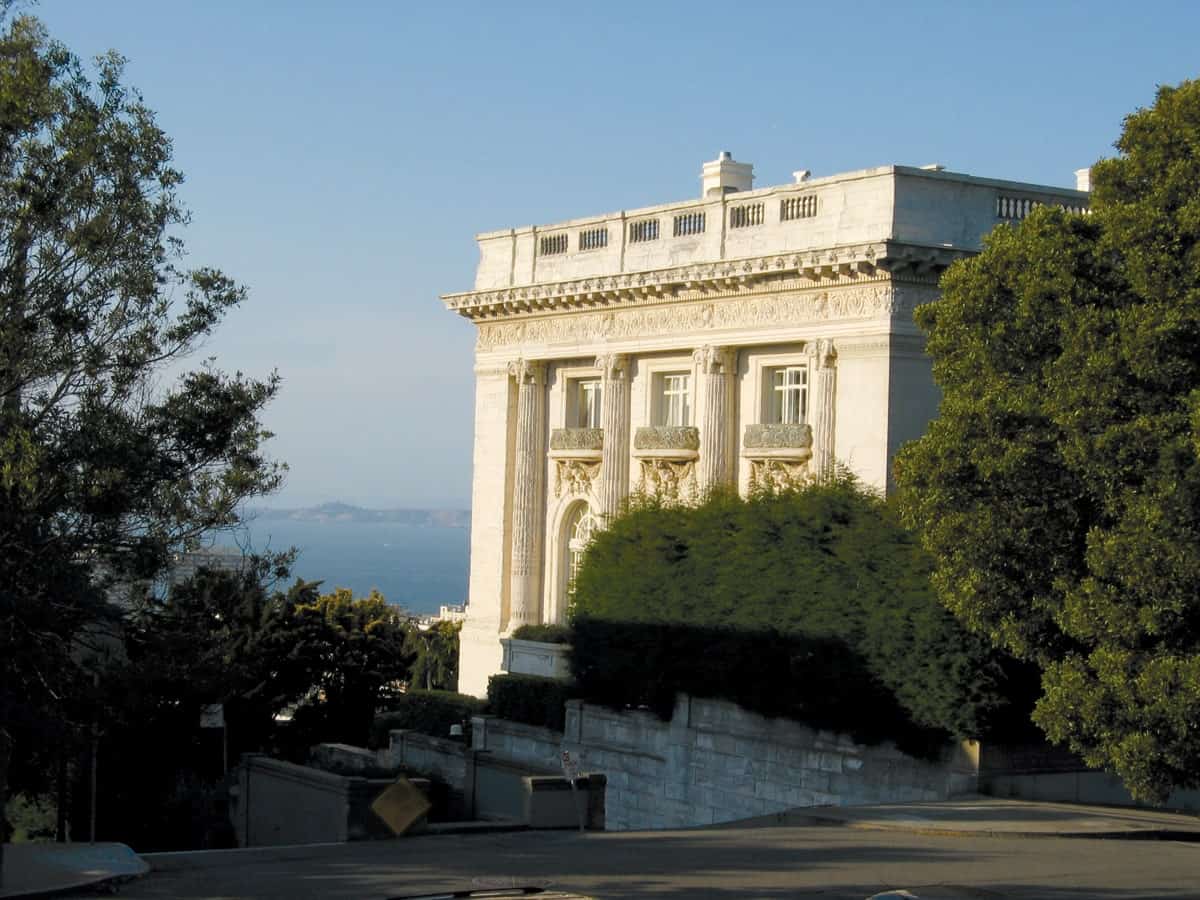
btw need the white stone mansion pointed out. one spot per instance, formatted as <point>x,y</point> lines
<point>745,337</point>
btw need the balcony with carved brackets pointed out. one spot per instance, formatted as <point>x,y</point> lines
<point>576,453</point>
<point>667,456</point>
<point>778,455</point>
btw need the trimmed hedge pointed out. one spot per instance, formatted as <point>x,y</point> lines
<point>815,604</point>
<point>547,634</point>
<point>530,699</point>
<point>429,712</point>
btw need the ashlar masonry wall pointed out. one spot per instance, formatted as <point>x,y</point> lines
<point>715,762</point>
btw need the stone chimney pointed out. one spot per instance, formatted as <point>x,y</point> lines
<point>724,176</point>
<point>1083,179</point>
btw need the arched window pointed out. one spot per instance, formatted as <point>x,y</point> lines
<point>579,530</point>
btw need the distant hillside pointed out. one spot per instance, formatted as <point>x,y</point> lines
<point>344,512</point>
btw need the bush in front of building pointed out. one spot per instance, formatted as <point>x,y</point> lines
<point>427,712</point>
<point>546,634</point>
<point>530,699</point>
<point>813,604</point>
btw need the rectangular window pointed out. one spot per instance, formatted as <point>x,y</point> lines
<point>587,403</point>
<point>787,403</point>
<point>674,400</point>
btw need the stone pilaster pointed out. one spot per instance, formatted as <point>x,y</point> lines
<point>528,503</point>
<point>614,420</point>
<point>716,366</point>
<point>824,386</point>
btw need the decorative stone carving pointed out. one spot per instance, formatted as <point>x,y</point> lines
<point>575,476</point>
<point>567,439</point>
<point>777,437</point>
<point>872,300</point>
<point>667,437</point>
<point>672,480</point>
<point>778,474</point>
<point>778,455</point>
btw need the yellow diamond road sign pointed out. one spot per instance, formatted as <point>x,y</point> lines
<point>400,805</point>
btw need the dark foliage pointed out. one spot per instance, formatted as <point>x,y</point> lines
<point>529,699</point>
<point>428,712</point>
<point>547,634</point>
<point>814,602</point>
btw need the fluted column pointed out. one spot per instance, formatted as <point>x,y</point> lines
<point>824,386</point>
<point>614,420</point>
<point>716,367</point>
<point>528,503</point>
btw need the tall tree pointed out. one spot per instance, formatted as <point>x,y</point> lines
<point>1059,488</point>
<point>109,459</point>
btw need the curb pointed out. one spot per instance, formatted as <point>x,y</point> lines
<point>1144,834</point>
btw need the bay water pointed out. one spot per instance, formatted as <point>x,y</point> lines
<point>417,567</point>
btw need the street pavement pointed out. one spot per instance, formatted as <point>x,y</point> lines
<point>981,849</point>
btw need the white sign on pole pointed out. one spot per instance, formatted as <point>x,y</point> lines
<point>212,716</point>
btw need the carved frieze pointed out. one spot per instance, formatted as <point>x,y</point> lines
<point>867,301</point>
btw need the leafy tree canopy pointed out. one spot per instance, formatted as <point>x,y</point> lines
<point>112,454</point>
<point>1059,488</point>
<point>829,564</point>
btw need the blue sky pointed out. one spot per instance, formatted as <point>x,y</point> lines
<point>340,157</point>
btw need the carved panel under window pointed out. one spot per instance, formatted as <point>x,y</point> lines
<point>778,455</point>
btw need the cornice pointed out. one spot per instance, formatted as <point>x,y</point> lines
<point>856,264</point>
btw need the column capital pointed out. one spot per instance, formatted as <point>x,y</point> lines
<point>715,360</point>
<point>613,366</point>
<point>822,352</point>
<point>528,371</point>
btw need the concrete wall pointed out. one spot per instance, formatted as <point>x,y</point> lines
<point>538,748</point>
<point>1051,774</point>
<point>715,762</point>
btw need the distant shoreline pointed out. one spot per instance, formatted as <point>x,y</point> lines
<point>344,512</point>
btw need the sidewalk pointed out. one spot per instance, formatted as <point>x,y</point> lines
<point>991,817</point>
<point>43,869</point>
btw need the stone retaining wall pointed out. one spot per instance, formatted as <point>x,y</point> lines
<point>715,762</point>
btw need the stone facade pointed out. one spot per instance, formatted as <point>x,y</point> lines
<point>749,337</point>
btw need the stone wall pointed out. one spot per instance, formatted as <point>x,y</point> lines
<point>715,762</point>
<point>538,748</point>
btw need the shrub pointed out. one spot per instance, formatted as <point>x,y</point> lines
<point>814,603</point>
<point>530,699</point>
<point>429,712</point>
<point>547,634</point>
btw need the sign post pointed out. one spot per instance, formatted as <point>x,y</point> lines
<point>571,770</point>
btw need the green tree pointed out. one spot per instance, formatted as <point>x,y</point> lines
<point>1059,488</point>
<point>435,652</point>
<point>108,460</point>
<point>824,574</point>
<point>358,652</point>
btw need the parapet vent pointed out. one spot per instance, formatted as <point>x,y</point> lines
<point>593,239</point>
<point>689,223</point>
<point>797,207</point>
<point>553,244</point>
<point>1017,208</point>
<point>645,230</point>
<point>746,215</point>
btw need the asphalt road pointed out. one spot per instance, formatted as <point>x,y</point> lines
<point>826,862</point>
